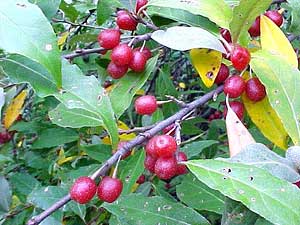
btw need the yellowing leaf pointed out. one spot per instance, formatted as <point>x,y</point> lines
<point>274,41</point>
<point>140,92</point>
<point>266,119</point>
<point>238,135</point>
<point>182,85</point>
<point>62,39</point>
<point>207,62</point>
<point>63,159</point>
<point>14,109</point>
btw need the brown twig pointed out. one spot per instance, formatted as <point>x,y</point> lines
<point>130,145</point>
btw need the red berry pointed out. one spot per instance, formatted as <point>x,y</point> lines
<point>167,129</point>
<point>116,71</point>
<point>222,74</point>
<point>165,168</point>
<point>120,145</point>
<point>125,21</point>
<point>255,90</point>
<point>141,179</point>
<point>165,145</point>
<point>181,169</point>
<point>211,117</point>
<point>145,105</point>
<point>140,4</point>
<point>120,12</point>
<point>150,149</point>
<point>146,51</point>
<point>149,163</point>
<point>236,107</point>
<point>121,55</point>
<point>83,190</point>
<point>254,30</point>
<point>5,137</point>
<point>234,86</point>
<point>297,184</point>
<point>138,62</point>
<point>109,38</point>
<point>240,57</point>
<point>109,189</point>
<point>217,114</point>
<point>275,16</point>
<point>226,35</point>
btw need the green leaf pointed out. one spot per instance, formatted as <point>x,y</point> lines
<point>54,137</point>
<point>188,38</point>
<point>23,183</point>
<point>21,69</point>
<point>5,195</point>
<point>183,16</point>
<point>99,152</point>
<point>132,170</point>
<point>70,176</point>
<point>262,221</point>
<point>295,7</point>
<point>25,30</point>
<point>105,8</point>
<point>215,10</point>
<point>137,209</point>
<point>4,159</point>
<point>75,118</point>
<point>196,147</point>
<point>260,156</point>
<point>49,7</point>
<point>124,90</point>
<point>86,93</point>
<point>282,83</point>
<point>244,15</point>
<point>264,194</point>
<point>198,196</point>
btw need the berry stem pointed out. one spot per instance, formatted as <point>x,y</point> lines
<point>226,44</point>
<point>116,168</point>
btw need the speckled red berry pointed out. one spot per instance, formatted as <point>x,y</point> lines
<point>164,145</point>
<point>109,189</point>
<point>120,145</point>
<point>116,71</point>
<point>140,4</point>
<point>240,57</point>
<point>237,108</point>
<point>146,51</point>
<point>226,35</point>
<point>275,16</point>
<point>254,30</point>
<point>141,179</point>
<point>255,90</point>
<point>165,167</point>
<point>121,55</point>
<point>5,137</point>
<point>145,105</point>
<point>126,21</point>
<point>83,190</point>
<point>222,74</point>
<point>138,62</point>
<point>150,149</point>
<point>234,86</point>
<point>109,38</point>
<point>149,163</point>
<point>181,169</point>
<point>169,128</point>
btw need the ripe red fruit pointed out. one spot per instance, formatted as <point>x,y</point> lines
<point>226,35</point>
<point>275,16</point>
<point>165,168</point>
<point>125,21</point>
<point>145,105</point>
<point>167,129</point>
<point>116,71</point>
<point>181,169</point>
<point>254,30</point>
<point>109,38</point>
<point>120,145</point>
<point>234,86</point>
<point>240,57</point>
<point>121,55</point>
<point>140,4</point>
<point>149,163</point>
<point>236,107</point>
<point>150,149</point>
<point>83,190</point>
<point>222,74</point>
<point>255,90</point>
<point>141,179</point>
<point>5,137</point>
<point>138,62</point>
<point>109,189</point>
<point>146,51</point>
<point>164,145</point>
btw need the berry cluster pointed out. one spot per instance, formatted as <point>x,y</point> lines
<point>123,57</point>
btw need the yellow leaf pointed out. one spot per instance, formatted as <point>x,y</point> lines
<point>274,41</point>
<point>63,159</point>
<point>266,119</point>
<point>62,39</point>
<point>182,85</point>
<point>207,62</point>
<point>238,135</point>
<point>14,109</point>
<point>140,92</point>
<point>109,88</point>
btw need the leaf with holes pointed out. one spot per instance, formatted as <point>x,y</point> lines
<point>264,194</point>
<point>282,83</point>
